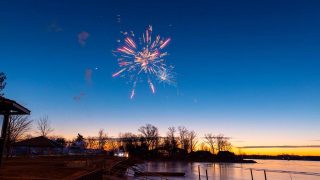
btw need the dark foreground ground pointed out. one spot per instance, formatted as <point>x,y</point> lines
<point>89,166</point>
<point>56,167</point>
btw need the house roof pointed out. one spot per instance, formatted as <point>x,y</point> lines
<point>40,141</point>
<point>11,107</point>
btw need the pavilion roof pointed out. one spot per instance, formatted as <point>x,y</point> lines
<point>11,107</point>
<point>39,141</point>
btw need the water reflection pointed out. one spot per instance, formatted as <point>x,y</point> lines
<point>232,171</point>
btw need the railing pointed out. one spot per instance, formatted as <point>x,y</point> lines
<point>280,171</point>
<point>264,171</point>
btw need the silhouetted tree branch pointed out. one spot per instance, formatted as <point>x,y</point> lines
<point>210,140</point>
<point>192,140</point>
<point>183,137</point>
<point>44,127</point>
<point>151,135</point>
<point>18,126</point>
<point>223,143</point>
<point>171,139</point>
<point>102,139</point>
<point>90,143</point>
<point>129,141</point>
<point>2,82</point>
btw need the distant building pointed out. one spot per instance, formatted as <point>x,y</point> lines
<point>37,146</point>
<point>121,153</point>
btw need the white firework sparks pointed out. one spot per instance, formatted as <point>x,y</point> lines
<point>145,59</point>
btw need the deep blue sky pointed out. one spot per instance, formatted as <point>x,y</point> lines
<point>248,69</point>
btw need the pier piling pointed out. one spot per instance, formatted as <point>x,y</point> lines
<point>207,174</point>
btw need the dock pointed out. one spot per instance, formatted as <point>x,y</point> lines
<point>162,174</point>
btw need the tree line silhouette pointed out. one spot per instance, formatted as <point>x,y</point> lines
<point>178,140</point>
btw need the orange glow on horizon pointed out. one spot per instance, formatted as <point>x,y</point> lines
<point>279,151</point>
<point>303,151</point>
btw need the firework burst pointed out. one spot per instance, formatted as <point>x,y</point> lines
<point>143,60</point>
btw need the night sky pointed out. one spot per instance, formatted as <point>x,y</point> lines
<point>247,69</point>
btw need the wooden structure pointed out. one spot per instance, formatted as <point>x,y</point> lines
<point>8,107</point>
<point>40,145</point>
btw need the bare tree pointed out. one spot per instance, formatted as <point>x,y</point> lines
<point>171,132</point>
<point>102,139</point>
<point>128,140</point>
<point>18,126</point>
<point>210,140</point>
<point>44,127</point>
<point>223,143</point>
<point>172,142</point>
<point>2,82</point>
<point>91,141</point>
<point>151,135</point>
<point>183,137</point>
<point>192,140</point>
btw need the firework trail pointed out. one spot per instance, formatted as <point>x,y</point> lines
<point>143,60</point>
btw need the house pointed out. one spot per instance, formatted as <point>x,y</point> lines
<point>37,146</point>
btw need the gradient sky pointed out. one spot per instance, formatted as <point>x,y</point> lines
<point>247,69</point>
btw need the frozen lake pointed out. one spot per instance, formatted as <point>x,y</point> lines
<point>275,170</point>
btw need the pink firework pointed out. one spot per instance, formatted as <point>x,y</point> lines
<point>143,60</point>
